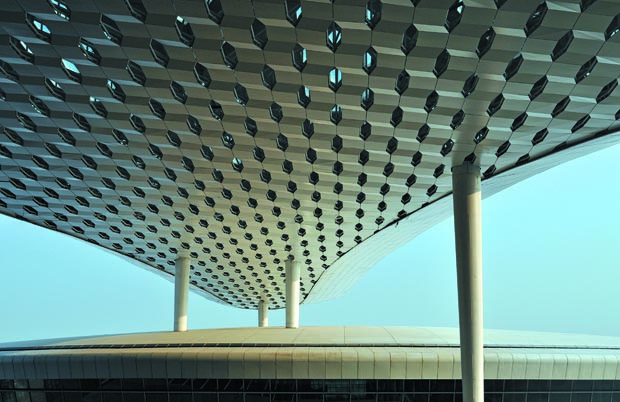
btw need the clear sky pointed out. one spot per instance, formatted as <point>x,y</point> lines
<point>551,263</point>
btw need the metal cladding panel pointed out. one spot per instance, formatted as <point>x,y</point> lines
<point>240,133</point>
<point>323,363</point>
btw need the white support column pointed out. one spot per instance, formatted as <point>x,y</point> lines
<point>181,291</point>
<point>292,272</point>
<point>468,235</point>
<point>263,314</point>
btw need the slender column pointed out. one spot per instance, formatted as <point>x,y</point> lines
<point>468,234</point>
<point>292,293</point>
<point>263,314</point>
<point>181,291</point>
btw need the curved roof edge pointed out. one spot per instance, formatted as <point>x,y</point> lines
<point>345,272</point>
<point>312,352</point>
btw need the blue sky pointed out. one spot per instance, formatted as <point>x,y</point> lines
<point>551,263</point>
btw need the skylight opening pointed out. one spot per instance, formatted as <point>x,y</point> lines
<point>60,9</point>
<point>25,47</point>
<point>71,70</point>
<point>70,66</point>
<point>89,51</point>
<point>22,49</point>
<point>55,89</point>
<point>41,27</point>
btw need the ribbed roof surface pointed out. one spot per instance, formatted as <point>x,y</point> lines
<point>312,352</point>
<point>332,337</point>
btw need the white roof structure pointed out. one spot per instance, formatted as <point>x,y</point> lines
<point>239,133</point>
<point>312,352</point>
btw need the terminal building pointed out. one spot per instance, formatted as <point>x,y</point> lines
<point>266,154</point>
<point>364,364</point>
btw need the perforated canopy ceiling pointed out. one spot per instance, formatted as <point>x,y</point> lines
<point>240,132</point>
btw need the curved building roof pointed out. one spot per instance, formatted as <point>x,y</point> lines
<point>312,352</point>
<point>241,132</point>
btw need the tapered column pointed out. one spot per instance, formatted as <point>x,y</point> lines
<point>263,314</point>
<point>181,291</point>
<point>292,293</point>
<point>468,235</point>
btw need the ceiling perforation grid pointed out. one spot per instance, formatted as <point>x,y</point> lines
<point>242,132</point>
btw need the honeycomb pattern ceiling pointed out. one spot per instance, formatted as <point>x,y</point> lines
<point>240,132</point>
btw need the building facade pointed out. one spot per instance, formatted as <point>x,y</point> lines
<point>309,364</point>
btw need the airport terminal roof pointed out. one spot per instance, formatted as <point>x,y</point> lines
<point>311,352</point>
<point>241,132</point>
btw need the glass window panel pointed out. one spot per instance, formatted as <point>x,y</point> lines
<point>601,397</point>
<point>514,397</point>
<point>257,397</point>
<point>581,397</point>
<point>283,397</point>
<point>419,397</point>
<point>204,397</point>
<point>231,385</point>
<point>35,384</point>
<point>112,397</point>
<point>390,385</point>
<point>493,385</point>
<point>283,386</point>
<point>110,384</point>
<point>336,397</point>
<point>538,386</point>
<point>583,385</point>
<point>615,397</point>
<point>358,386</point>
<point>133,396</point>
<point>616,385</point>
<point>8,396</point>
<point>492,397</point>
<point>72,396</point>
<point>515,385</point>
<point>307,397</point>
<point>156,397</point>
<point>257,385</point>
<point>90,397</point>
<point>7,384</point>
<point>537,397</point>
<point>37,396</point>
<point>337,386</point>
<point>204,385</point>
<point>371,385</point>
<point>417,386</point>
<point>442,386</point>
<point>88,385</point>
<point>231,396</point>
<point>441,397</point>
<point>71,385</point>
<point>559,397</point>
<point>53,396</point>
<point>155,384</point>
<point>364,397</point>
<point>21,384</point>
<point>603,385</point>
<point>310,385</point>
<point>132,384</point>
<point>180,397</point>
<point>458,397</point>
<point>396,397</point>
<point>180,384</point>
<point>52,384</point>
<point>560,385</point>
